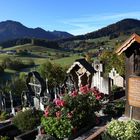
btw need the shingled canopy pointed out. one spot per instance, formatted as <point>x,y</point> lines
<point>82,63</point>
<point>131,48</point>
<point>81,72</point>
<point>128,43</point>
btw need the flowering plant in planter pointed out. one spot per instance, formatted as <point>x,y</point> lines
<point>67,114</point>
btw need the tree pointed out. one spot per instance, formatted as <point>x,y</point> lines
<point>88,57</point>
<point>110,60</point>
<point>53,72</point>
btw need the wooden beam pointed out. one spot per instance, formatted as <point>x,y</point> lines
<point>96,135</point>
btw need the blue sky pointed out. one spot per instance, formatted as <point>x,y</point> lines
<point>73,16</point>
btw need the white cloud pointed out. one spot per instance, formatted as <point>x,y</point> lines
<point>89,23</point>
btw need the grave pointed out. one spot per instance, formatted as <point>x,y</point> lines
<point>99,80</point>
<point>131,48</point>
<point>37,91</point>
<point>68,85</point>
<point>84,73</point>
<point>2,101</point>
<point>81,72</point>
<point>116,79</point>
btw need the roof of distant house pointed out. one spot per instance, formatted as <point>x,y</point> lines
<point>134,38</point>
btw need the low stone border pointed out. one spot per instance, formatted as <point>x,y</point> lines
<point>4,123</point>
<point>9,130</point>
<point>30,135</point>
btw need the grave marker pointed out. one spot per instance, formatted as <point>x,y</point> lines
<point>131,48</point>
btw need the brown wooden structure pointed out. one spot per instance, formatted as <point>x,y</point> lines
<point>97,134</point>
<point>131,48</point>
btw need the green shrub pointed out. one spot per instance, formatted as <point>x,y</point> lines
<point>27,120</point>
<point>116,129</point>
<point>3,116</point>
<point>115,108</point>
<point>116,89</point>
<point>122,130</point>
<point>132,130</point>
<point>14,64</point>
<point>4,138</point>
<point>59,128</point>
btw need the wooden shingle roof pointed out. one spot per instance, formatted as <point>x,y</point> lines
<point>128,43</point>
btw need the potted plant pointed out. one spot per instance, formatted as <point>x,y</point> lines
<point>122,130</point>
<point>65,116</point>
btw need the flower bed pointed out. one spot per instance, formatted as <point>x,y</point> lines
<point>10,131</point>
<point>66,115</point>
<point>22,125</point>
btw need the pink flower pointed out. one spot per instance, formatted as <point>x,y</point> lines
<point>58,114</point>
<point>98,97</point>
<point>74,93</point>
<point>46,113</point>
<point>84,89</point>
<point>59,102</point>
<point>69,115</point>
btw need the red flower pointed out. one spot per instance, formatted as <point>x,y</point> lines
<point>84,89</point>
<point>59,102</point>
<point>58,114</point>
<point>74,93</point>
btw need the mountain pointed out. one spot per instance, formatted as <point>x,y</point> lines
<point>11,30</point>
<point>125,26</point>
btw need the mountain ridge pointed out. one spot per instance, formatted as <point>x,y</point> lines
<point>12,29</point>
<point>125,26</point>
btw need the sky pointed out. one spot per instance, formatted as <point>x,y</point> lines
<point>74,16</point>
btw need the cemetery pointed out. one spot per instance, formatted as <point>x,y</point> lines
<point>87,105</point>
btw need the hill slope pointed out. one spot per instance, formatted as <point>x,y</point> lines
<point>125,26</point>
<point>11,30</point>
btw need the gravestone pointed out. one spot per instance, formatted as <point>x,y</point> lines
<point>116,79</point>
<point>12,106</point>
<point>37,88</point>
<point>69,84</point>
<point>2,101</point>
<point>131,48</point>
<point>98,79</point>
<point>26,99</point>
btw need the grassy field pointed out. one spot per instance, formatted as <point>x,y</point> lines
<point>40,54</point>
<point>67,61</point>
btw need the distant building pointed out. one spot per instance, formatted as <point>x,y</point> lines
<point>12,52</point>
